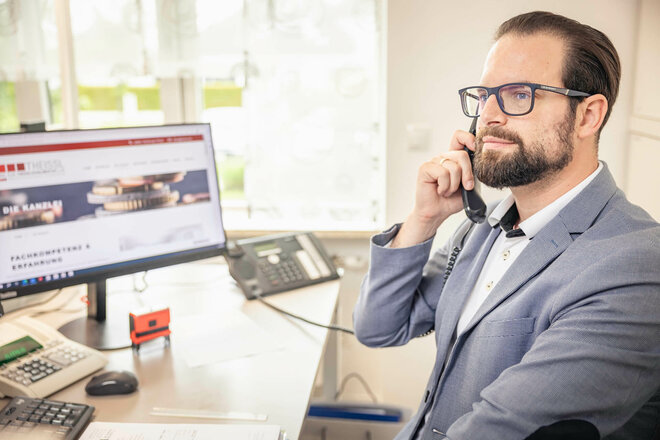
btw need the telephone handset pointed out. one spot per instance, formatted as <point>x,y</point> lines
<point>473,205</point>
<point>266,265</point>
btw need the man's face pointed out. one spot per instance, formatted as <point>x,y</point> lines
<point>518,150</point>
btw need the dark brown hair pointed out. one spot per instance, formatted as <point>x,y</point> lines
<point>591,63</point>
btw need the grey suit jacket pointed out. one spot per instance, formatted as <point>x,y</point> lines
<point>572,330</point>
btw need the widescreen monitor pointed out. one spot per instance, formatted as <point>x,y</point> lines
<point>82,206</point>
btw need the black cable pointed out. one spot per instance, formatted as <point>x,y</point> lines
<point>361,380</point>
<point>284,312</point>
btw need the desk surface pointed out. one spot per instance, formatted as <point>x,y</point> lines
<point>277,383</point>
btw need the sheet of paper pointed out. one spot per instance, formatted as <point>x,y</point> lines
<point>157,431</point>
<point>207,339</point>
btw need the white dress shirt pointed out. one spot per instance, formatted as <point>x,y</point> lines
<point>505,250</point>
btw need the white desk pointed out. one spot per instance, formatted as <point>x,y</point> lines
<point>277,383</point>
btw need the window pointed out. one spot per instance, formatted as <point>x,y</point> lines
<point>293,90</point>
<point>29,70</point>
<point>307,123</point>
<point>115,44</point>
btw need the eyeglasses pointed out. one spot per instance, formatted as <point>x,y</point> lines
<point>515,99</point>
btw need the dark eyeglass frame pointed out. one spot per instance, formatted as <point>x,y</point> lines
<point>496,91</point>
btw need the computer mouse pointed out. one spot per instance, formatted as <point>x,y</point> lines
<point>112,382</point>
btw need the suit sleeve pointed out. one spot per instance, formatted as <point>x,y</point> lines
<point>393,306</point>
<point>599,360</point>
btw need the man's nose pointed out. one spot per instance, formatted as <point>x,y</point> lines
<point>491,113</point>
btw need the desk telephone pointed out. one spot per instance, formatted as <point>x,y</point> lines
<point>36,360</point>
<point>276,263</point>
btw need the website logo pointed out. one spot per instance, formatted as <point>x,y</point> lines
<point>9,170</point>
<point>13,168</point>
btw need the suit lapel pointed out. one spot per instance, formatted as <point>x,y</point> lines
<point>456,291</point>
<point>550,242</point>
<point>538,254</point>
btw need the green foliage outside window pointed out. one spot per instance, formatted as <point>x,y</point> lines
<point>8,116</point>
<point>55,96</point>
<point>231,170</point>
<point>99,98</point>
<point>222,94</point>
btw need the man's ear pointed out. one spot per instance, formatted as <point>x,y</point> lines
<point>591,113</point>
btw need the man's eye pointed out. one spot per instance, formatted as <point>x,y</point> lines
<point>483,98</point>
<point>521,95</point>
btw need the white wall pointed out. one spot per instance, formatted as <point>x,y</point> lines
<point>435,48</point>
<point>644,148</point>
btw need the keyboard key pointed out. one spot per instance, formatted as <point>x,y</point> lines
<point>37,377</point>
<point>53,404</point>
<point>60,359</point>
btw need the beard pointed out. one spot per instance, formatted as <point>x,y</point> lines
<point>528,163</point>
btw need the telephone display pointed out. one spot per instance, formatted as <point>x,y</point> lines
<point>18,348</point>
<point>277,263</point>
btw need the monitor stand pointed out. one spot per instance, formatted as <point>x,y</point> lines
<point>99,329</point>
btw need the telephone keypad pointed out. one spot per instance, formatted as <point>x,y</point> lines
<point>285,271</point>
<point>35,368</point>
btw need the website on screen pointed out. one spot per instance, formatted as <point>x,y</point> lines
<point>67,207</point>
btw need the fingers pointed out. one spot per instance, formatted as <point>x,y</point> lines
<point>450,169</point>
<point>459,168</point>
<point>462,139</point>
<point>459,140</point>
<point>449,178</point>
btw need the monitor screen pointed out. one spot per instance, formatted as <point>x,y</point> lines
<point>85,205</point>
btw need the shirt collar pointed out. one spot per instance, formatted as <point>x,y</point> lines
<point>536,222</point>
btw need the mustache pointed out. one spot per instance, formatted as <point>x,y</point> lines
<point>498,132</point>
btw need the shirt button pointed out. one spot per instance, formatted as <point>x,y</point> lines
<point>506,254</point>
<point>489,285</point>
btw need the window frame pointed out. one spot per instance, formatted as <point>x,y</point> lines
<point>182,101</point>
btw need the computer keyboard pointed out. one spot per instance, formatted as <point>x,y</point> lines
<point>26,418</point>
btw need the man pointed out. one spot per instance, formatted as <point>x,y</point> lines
<point>548,312</point>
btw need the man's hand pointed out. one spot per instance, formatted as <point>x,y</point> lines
<point>438,191</point>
